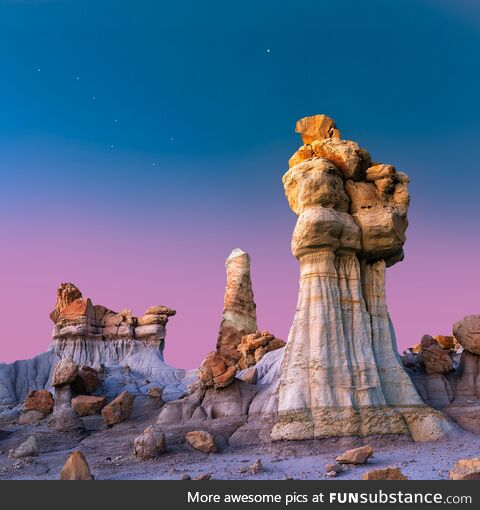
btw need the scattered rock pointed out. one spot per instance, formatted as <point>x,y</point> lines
<point>76,468</point>
<point>119,409</point>
<point>27,449</point>
<point>337,468</point>
<point>65,372</point>
<point>356,455</point>
<point>256,467</point>
<point>466,469</point>
<point>87,405</point>
<point>389,473</point>
<point>150,444</point>
<point>39,400</point>
<point>467,332</point>
<point>205,476</point>
<point>331,474</point>
<point>201,440</point>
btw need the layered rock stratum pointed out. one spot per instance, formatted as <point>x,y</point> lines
<point>126,351</point>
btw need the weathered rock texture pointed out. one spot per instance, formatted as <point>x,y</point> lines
<point>390,473</point>
<point>253,348</point>
<point>39,400</point>
<point>113,351</point>
<point>341,374</point>
<point>239,318</point>
<point>76,468</point>
<point>150,444</point>
<point>119,409</point>
<point>446,372</point>
<point>466,469</point>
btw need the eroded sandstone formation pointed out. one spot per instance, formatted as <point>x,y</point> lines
<point>114,350</point>
<point>341,374</point>
<point>446,372</point>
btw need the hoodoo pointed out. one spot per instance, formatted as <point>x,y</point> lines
<point>341,374</point>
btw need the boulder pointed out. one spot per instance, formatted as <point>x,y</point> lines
<point>217,370</point>
<point>76,468</point>
<point>303,153</point>
<point>150,444</point>
<point>27,449</point>
<point>81,309</point>
<point>356,455</point>
<point>86,405</point>
<point>254,346</point>
<point>39,400</point>
<point>64,372</point>
<point>466,469</point>
<point>316,127</point>
<point>389,473</point>
<point>87,380</point>
<point>467,332</point>
<point>201,440</point>
<point>119,409</point>
<point>446,342</point>
<point>435,359</point>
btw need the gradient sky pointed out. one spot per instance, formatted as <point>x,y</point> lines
<point>140,142</point>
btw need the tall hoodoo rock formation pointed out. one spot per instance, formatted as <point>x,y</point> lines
<point>341,374</point>
<point>239,318</point>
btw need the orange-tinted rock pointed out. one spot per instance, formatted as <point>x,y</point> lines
<point>446,342</point>
<point>305,152</point>
<point>346,155</point>
<point>76,468</point>
<point>254,346</point>
<point>356,455</point>
<point>155,392</point>
<point>39,400</point>
<point>466,469</point>
<point>316,127</point>
<point>217,370</point>
<point>201,440</point>
<point>160,310</point>
<point>390,473</point>
<point>64,372</point>
<point>66,294</point>
<point>86,405</point>
<point>86,381</point>
<point>380,171</point>
<point>119,409</point>
<point>80,308</point>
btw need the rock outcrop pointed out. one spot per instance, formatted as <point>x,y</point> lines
<point>466,469</point>
<point>239,318</point>
<point>446,371</point>
<point>114,350</point>
<point>341,374</point>
<point>253,348</point>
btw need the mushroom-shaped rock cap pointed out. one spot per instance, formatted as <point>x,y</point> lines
<point>316,127</point>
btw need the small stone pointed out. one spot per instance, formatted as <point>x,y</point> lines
<point>155,392</point>
<point>201,440</point>
<point>186,477</point>
<point>466,469</point>
<point>331,474</point>
<point>76,468</point>
<point>27,449</point>
<point>205,476</point>
<point>334,467</point>
<point>356,455</point>
<point>389,473</point>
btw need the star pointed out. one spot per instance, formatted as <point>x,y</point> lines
<point>38,70</point>
<point>77,77</point>
<point>93,98</point>
<point>153,164</point>
<point>171,139</point>
<point>112,146</point>
<point>268,50</point>
<point>115,120</point>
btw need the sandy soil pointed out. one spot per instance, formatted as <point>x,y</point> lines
<point>110,455</point>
